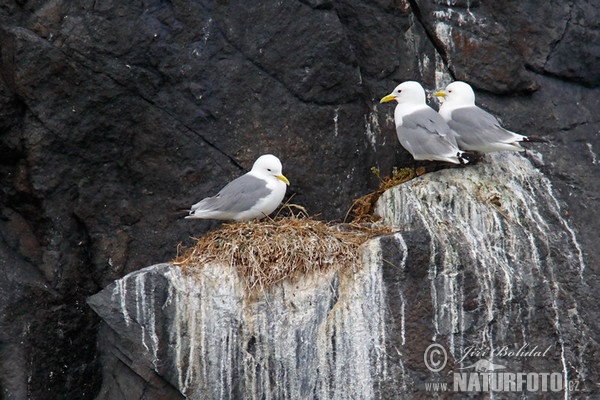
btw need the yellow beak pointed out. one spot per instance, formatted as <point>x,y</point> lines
<point>283,179</point>
<point>440,93</point>
<point>387,98</point>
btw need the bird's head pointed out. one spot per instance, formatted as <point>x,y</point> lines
<point>406,92</point>
<point>457,93</point>
<point>269,165</point>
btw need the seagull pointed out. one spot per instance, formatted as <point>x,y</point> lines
<point>253,195</point>
<point>477,129</point>
<point>420,129</point>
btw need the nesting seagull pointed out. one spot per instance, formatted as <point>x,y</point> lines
<point>253,195</point>
<point>420,129</point>
<point>477,129</point>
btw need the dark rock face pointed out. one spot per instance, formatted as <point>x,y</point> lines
<point>113,115</point>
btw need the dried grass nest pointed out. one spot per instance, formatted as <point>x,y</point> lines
<point>362,209</point>
<point>269,251</point>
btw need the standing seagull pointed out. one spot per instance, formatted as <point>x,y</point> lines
<point>420,129</point>
<point>253,195</point>
<point>477,129</point>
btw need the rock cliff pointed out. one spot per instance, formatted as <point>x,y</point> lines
<point>115,114</point>
<point>483,258</point>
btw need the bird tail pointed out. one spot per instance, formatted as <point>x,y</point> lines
<point>468,157</point>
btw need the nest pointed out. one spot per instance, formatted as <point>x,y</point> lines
<point>269,251</point>
<point>362,209</point>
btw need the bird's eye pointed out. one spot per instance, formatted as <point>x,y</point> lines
<point>269,169</point>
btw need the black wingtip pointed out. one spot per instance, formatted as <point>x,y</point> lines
<point>535,139</point>
<point>469,157</point>
<point>180,213</point>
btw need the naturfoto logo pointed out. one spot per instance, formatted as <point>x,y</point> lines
<point>483,371</point>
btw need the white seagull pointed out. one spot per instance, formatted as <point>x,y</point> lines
<point>477,129</point>
<point>420,129</point>
<point>253,195</point>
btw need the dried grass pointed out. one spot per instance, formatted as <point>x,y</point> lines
<point>268,251</point>
<point>362,209</point>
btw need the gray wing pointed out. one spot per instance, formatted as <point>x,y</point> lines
<point>425,132</point>
<point>477,128</point>
<point>238,195</point>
